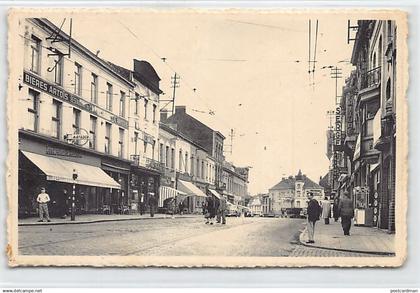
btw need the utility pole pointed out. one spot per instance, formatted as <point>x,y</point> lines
<point>336,73</point>
<point>175,84</point>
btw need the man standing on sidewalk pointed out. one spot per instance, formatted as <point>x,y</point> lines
<point>326,210</point>
<point>346,212</point>
<point>314,211</point>
<point>43,198</point>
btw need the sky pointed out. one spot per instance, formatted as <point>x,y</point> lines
<point>249,68</point>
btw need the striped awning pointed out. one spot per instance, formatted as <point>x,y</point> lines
<point>166,192</point>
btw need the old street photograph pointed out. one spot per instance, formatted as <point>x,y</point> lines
<point>205,134</point>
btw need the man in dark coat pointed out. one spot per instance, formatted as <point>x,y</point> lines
<point>313,211</point>
<point>211,211</point>
<point>335,208</point>
<point>346,212</point>
<point>152,204</point>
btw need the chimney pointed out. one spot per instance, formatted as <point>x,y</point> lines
<point>180,109</point>
<point>163,116</point>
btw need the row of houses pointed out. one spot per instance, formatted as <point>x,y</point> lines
<point>83,117</point>
<point>363,146</point>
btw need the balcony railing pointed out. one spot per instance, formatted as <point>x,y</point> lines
<point>371,78</point>
<point>147,163</point>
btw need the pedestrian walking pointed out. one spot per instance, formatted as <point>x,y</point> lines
<point>210,210</point>
<point>43,198</point>
<point>314,211</point>
<point>64,204</point>
<point>326,210</point>
<point>142,204</point>
<point>152,204</point>
<point>335,208</point>
<point>222,210</point>
<point>346,212</point>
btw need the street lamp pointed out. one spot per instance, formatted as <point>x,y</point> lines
<point>73,197</point>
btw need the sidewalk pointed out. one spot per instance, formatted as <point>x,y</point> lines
<point>92,218</point>
<point>362,239</point>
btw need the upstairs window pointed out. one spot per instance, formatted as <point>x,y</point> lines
<point>56,119</point>
<point>58,70</point>
<point>122,104</point>
<point>109,93</point>
<point>33,108</point>
<point>94,89</point>
<point>35,54</point>
<point>77,79</point>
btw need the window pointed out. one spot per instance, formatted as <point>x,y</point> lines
<point>56,119</point>
<point>180,160</point>
<point>109,96</point>
<point>172,158</point>
<point>58,71</point>
<point>122,104</point>
<point>78,79</point>
<point>167,157</point>
<point>197,167</point>
<point>153,149</point>
<point>145,147</point>
<point>136,143</point>
<point>154,113</point>
<point>94,89</point>
<point>92,132</point>
<point>202,169</point>
<point>161,153</point>
<point>76,120</point>
<point>192,166</point>
<point>121,143</point>
<point>108,127</point>
<point>35,54</point>
<point>186,162</point>
<point>33,98</point>
<point>136,106</point>
<point>145,109</point>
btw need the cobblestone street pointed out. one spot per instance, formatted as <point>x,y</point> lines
<point>176,237</point>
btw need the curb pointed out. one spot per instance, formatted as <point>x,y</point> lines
<point>99,221</point>
<point>302,242</point>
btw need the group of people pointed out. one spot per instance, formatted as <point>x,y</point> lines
<point>215,208</point>
<point>343,207</point>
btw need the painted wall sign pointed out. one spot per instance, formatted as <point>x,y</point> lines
<point>52,151</point>
<point>66,96</point>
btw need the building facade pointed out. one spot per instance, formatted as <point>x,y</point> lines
<point>74,110</point>
<point>368,104</point>
<point>235,183</point>
<point>292,192</point>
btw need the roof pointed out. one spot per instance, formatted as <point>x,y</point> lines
<point>289,183</point>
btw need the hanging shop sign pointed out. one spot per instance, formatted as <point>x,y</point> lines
<point>80,137</point>
<point>58,92</point>
<point>357,148</point>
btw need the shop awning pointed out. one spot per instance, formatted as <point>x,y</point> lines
<point>62,171</point>
<point>215,193</point>
<point>189,188</point>
<point>166,192</point>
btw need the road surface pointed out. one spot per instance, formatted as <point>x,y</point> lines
<point>175,237</point>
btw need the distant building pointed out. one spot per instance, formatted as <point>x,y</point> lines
<point>255,205</point>
<point>292,192</point>
<point>235,181</point>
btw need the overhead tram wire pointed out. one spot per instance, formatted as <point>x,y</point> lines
<point>314,61</point>
<point>309,51</point>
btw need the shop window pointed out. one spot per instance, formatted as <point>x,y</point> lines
<point>108,127</point>
<point>94,89</point>
<point>92,132</point>
<point>77,79</point>
<point>109,95</point>
<point>35,54</point>
<point>122,104</point>
<point>121,143</point>
<point>56,119</point>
